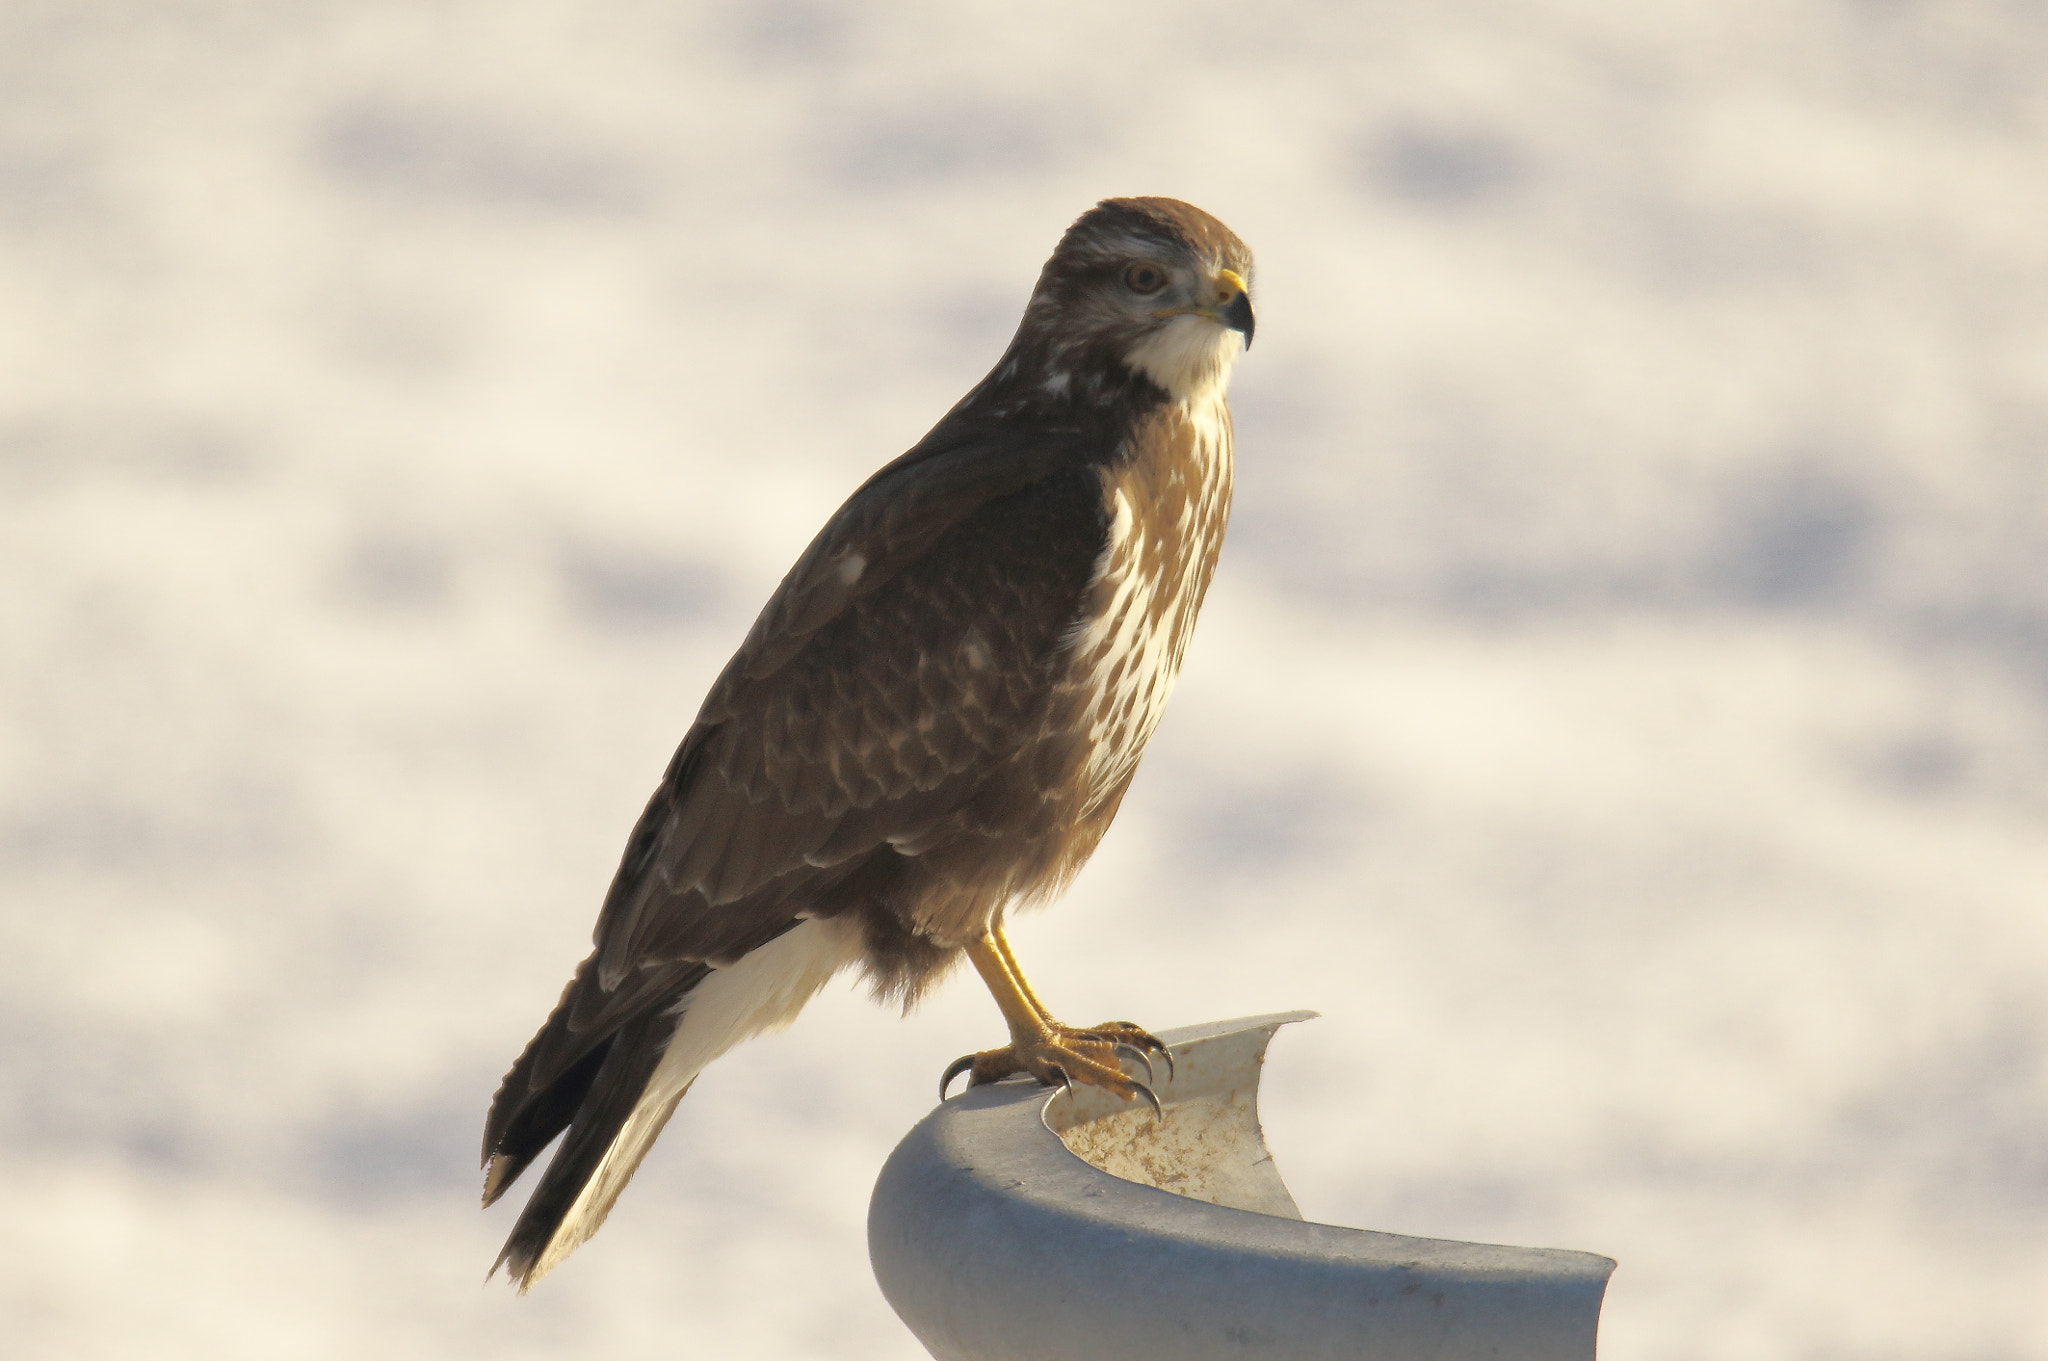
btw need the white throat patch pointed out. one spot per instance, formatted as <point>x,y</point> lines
<point>1191,356</point>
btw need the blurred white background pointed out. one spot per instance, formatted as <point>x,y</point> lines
<point>1623,709</point>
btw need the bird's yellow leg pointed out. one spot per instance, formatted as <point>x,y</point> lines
<point>1129,1034</point>
<point>992,959</point>
<point>1053,1053</point>
<point>1001,939</point>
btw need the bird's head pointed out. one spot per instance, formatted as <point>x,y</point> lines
<point>1140,288</point>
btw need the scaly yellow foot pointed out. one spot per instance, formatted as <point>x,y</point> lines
<point>1055,1054</point>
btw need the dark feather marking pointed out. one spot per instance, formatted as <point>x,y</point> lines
<point>552,1075</point>
<point>629,1062</point>
<point>531,1127</point>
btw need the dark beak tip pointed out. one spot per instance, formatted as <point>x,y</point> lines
<point>1239,315</point>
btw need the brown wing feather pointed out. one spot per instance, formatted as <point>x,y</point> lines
<point>847,706</point>
<point>864,708</point>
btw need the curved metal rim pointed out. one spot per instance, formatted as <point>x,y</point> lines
<point>984,1223</point>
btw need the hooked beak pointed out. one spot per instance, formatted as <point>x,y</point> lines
<point>1234,305</point>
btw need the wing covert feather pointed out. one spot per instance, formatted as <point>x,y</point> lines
<point>866,705</point>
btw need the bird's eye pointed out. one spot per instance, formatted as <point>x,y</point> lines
<point>1143,278</point>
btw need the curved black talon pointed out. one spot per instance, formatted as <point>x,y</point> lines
<point>1158,1111</point>
<point>963,1064</point>
<point>1146,1040</point>
<point>1066,1083</point>
<point>1158,1046</point>
<point>1141,1056</point>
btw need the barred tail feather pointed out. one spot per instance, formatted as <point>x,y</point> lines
<point>647,1069</point>
<point>611,1132</point>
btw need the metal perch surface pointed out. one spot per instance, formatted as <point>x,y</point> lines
<point>1018,1224</point>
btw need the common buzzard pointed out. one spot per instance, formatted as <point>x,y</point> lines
<point>930,725</point>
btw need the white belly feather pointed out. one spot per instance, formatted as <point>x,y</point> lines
<point>1129,655</point>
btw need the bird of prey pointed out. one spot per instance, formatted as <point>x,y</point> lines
<point>930,725</point>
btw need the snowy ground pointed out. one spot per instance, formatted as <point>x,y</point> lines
<point>1623,711</point>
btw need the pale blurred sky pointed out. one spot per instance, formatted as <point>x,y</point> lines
<point>1623,710</point>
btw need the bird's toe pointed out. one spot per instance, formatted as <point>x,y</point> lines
<point>1066,1057</point>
